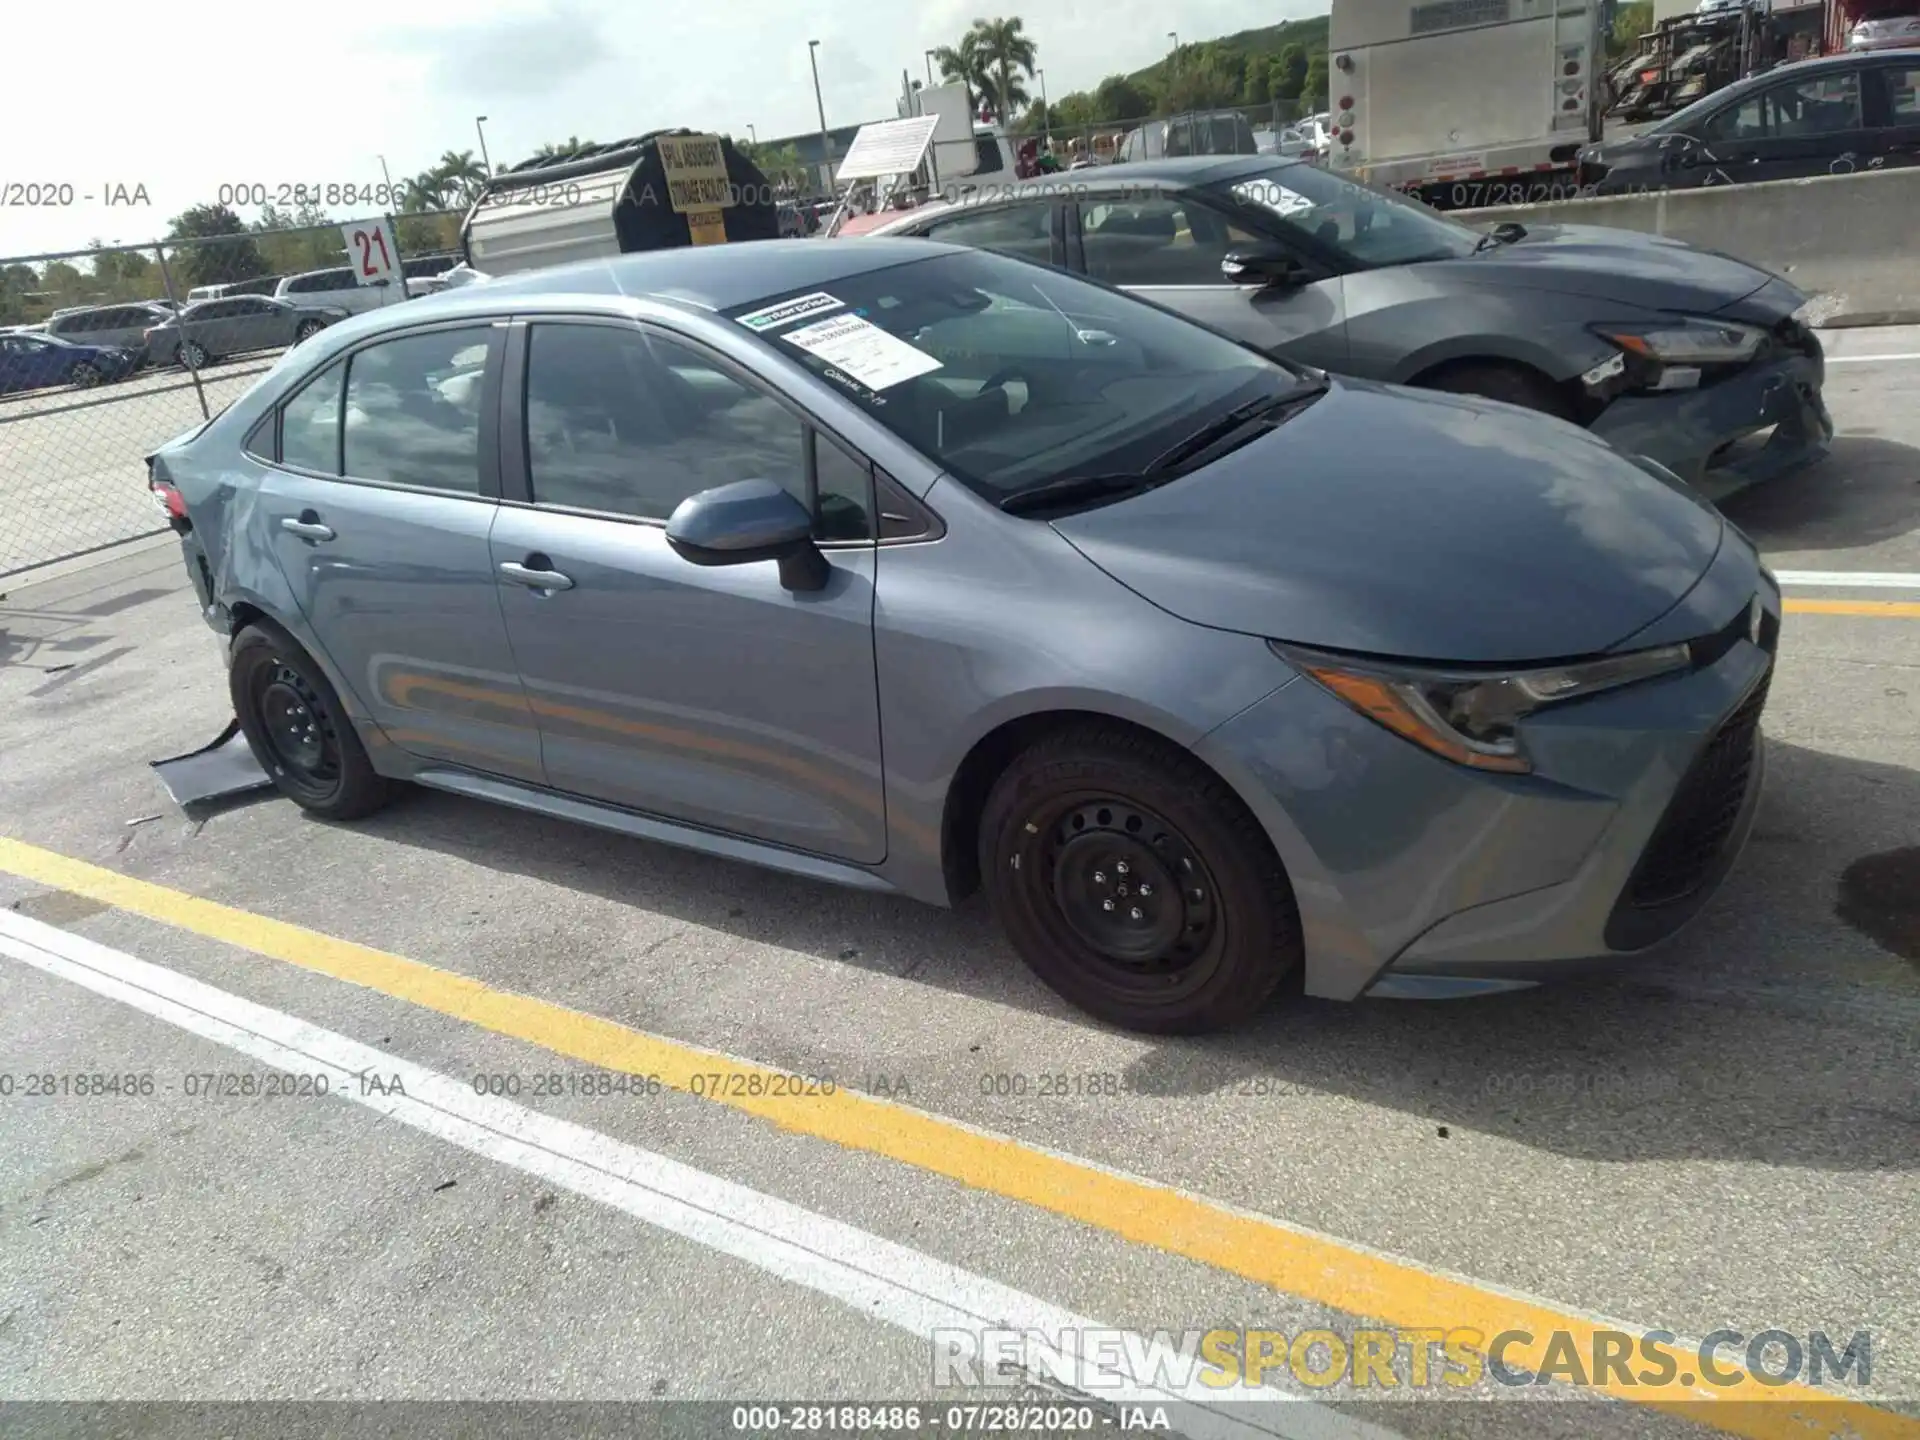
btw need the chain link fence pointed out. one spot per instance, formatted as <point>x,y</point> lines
<point>99,365</point>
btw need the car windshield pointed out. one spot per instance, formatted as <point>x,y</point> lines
<point>1011,375</point>
<point>1363,225</point>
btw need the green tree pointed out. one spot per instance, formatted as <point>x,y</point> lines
<point>1313,92</point>
<point>224,252</point>
<point>119,270</point>
<point>1008,54</point>
<point>1288,75</point>
<point>964,64</point>
<point>777,162</point>
<point>1630,22</point>
<point>1119,97</point>
<point>566,148</point>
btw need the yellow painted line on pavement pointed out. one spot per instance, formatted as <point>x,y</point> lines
<point>1323,1270</point>
<point>1877,609</point>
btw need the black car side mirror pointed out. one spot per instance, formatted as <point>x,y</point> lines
<point>745,523</point>
<point>1262,266</point>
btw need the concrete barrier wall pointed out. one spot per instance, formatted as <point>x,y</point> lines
<point>1853,241</point>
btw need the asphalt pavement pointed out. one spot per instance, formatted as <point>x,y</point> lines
<point>463,1103</point>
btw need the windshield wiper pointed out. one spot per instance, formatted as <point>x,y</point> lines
<point>1072,489</point>
<point>1215,431</point>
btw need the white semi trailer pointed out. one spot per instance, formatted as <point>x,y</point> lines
<point>1465,102</point>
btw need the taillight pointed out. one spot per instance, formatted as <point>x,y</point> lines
<point>169,499</point>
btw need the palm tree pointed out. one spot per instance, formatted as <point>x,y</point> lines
<point>964,64</point>
<point>459,173</point>
<point>572,145</point>
<point>1006,53</point>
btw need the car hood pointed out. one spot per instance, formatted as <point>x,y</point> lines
<point>1622,266</point>
<point>1413,524</point>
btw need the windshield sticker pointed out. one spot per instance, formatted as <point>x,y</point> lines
<point>787,311</point>
<point>863,350</point>
<point>1277,198</point>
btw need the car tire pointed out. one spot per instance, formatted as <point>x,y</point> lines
<point>1080,825</point>
<point>194,355</point>
<point>1493,380</point>
<point>84,375</point>
<point>306,330</point>
<point>298,729</point>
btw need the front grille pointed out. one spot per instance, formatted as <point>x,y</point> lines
<point>1694,831</point>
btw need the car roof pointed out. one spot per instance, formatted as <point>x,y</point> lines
<point>705,277</point>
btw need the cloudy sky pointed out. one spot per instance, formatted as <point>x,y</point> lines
<point>199,93</point>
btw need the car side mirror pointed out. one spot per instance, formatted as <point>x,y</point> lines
<point>1261,266</point>
<point>746,523</point>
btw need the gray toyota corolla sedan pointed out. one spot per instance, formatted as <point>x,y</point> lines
<point>1694,358</point>
<point>921,569</point>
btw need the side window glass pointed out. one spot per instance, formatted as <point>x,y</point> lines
<point>1903,93</point>
<point>630,423</point>
<point>1826,106</point>
<point>1020,230</point>
<point>1156,241</point>
<point>259,441</point>
<point>310,424</point>
<point>1745,121</point>
<point>845,504</point>
<point>412,414</point>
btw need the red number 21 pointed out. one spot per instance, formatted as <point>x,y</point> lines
<point>367,240</point>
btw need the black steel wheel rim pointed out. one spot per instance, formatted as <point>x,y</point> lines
<point>1121,894</point>
<point>298,729</point>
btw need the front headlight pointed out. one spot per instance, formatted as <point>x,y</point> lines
<point>1472,717</point>
<point>1688,342</point>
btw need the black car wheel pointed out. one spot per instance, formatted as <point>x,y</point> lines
<point>1135,884</point>
<point>1496,380</point>
<point>298,729</point>
<point>306,329</point>
<point>194,355</point>
<point>85,375</point>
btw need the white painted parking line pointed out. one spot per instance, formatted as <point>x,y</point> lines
<point>1849,579</point>
<point>1869,359</point>
<point>872,1275</point>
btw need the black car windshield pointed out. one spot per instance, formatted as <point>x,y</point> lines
<point>1012,375</point>
<point>1364,225</point>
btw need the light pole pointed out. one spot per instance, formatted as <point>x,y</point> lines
<point>930,69</point>
<point>1174,36</point>
<point>478,121</point>
<point>754,135</point>
<point>1046,109</point>
<point>387,179</point>
<point>820,106</point>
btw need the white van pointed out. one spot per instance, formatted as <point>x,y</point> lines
<point>335,288</point>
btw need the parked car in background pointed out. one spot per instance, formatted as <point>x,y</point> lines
<point>1667,351</point>
<point>335,289</point>
<point>258,285</point>
<point>1858,110</point>
<point>1216,132</point>
<point>1888,30</point>
<point>1405,693</point>
<point>426,274</point>
<point>36,362</point>
<point>210,330</point>
<point>112,327</point>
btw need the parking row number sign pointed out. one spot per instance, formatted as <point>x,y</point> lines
<point>372,252</point>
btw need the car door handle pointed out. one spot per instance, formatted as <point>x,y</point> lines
<point>307,529</point>
<point>535,577</point>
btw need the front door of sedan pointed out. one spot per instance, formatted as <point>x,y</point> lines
<point>378,508</point>
<point>709,696</point>
<point>1168,247</point>
<point>1812,126</point>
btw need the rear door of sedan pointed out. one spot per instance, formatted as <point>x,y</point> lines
<point>253,323</point>
<point>1893,105</point>
<point>379,489</point>
<point>708,696</point>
